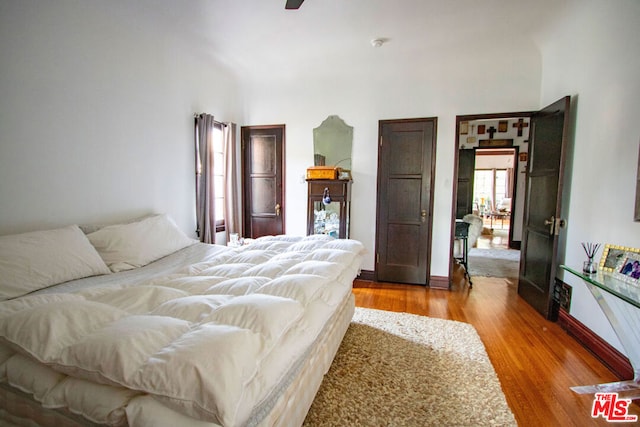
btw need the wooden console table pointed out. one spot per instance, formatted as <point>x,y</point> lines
<point>620,302</point>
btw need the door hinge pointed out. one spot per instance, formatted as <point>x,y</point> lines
<point>377,258</point>
<point>380,141</point>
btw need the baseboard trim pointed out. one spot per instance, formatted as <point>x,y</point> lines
<point>367,275</point>
<point>435,282</point>
<point>609,355</point>
<point>439,282</point>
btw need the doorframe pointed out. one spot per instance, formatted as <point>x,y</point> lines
<point>459,119</point>
<point>430,281</point>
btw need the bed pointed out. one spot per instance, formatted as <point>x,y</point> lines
<point>136,324</point>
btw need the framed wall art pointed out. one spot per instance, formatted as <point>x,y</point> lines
<point>496,143</point>
<point>464,128</point>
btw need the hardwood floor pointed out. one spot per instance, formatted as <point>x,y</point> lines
<point>536,361</point>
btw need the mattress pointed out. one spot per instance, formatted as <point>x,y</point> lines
<point>281,400</point>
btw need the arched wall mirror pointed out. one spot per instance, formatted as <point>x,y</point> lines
<point>332,142</point>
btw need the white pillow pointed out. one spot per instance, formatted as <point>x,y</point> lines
<point>92,228</point>
<point>36,260</point>
<point>127,246</point>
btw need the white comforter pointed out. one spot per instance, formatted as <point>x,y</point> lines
<point>210,341</point>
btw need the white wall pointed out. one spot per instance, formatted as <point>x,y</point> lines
<point>378,88</point>
<point>96,113</point>
<point>591,56</point>
<point>494,162</point>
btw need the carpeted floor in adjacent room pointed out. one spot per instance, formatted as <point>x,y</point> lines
<point>493,262</point>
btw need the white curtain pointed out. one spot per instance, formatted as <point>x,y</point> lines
<point>205,188</point>
<point>231,189</point>
<point>205,196</point>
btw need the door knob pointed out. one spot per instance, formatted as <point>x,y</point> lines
<point>550,222</point>
<point>555,224</point>
<point>277,209</point>
<point>423,215</point>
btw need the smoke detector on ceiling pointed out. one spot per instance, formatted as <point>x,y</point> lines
<point>378,42</point>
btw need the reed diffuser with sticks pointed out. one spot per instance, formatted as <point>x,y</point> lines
<point>590,249</point>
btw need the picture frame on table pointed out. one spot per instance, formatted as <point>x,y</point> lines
<point>628,268</point>
<point>611,254</point>
<point>344,174</point>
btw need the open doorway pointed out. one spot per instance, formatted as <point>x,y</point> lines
<point>493,194</point>
<point>490,166</point>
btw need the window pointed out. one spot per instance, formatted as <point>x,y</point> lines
<point>216,207</point>
<point>490,186</point>
<point>218,176</point>
<point>501,190</point>
<point>483,190</point>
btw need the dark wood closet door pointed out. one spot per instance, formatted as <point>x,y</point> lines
<point>406,163</point>
<point>263,180</point>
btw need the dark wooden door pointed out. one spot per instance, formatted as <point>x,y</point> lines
<point>464,194</point>
<point>263,180</point>
<point>542,214</point>
<point>406,163</point>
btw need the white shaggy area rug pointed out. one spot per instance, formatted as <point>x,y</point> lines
<point>399,369</point>
<point>494,262</point>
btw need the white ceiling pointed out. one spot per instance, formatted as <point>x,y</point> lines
<point>260,37</point>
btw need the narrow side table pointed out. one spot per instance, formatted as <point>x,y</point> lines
<point>620,302</point>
